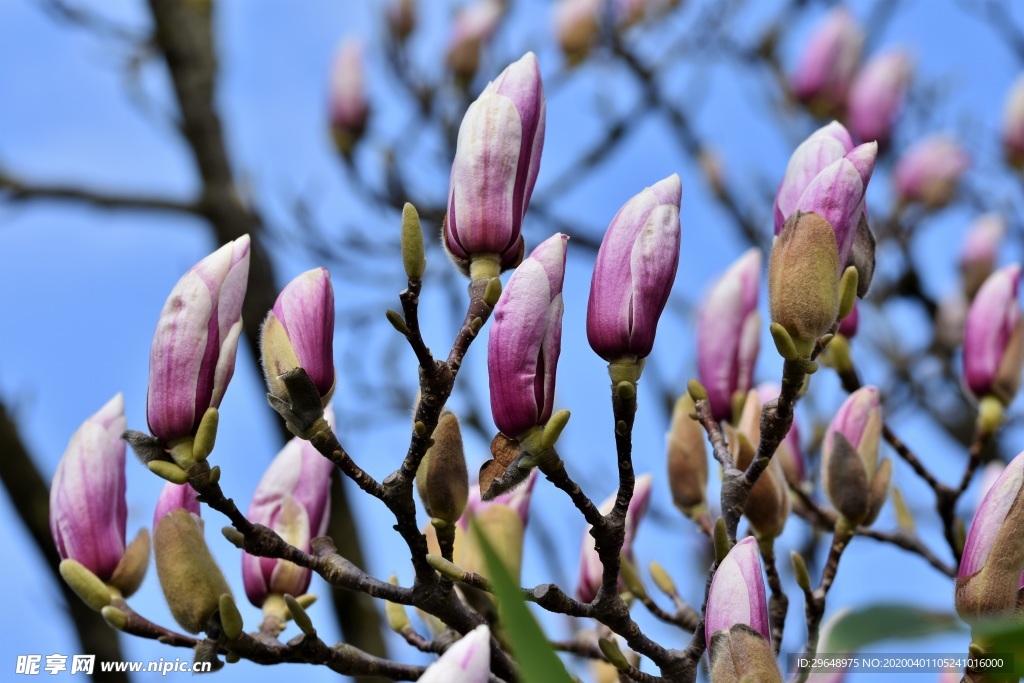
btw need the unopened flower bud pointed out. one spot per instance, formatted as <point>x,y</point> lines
<point>467,661</point>
<point>929,171</point>
<point>497,158</point>
<point>348,106</point>
<point>736,620</point>
<point>299,333</point>
<point>502,521</point>
<point>990,582</point>
<point>193,353</point>
<point>980,251</point>
<point>994,337</point>
<point>687,459</point>
<point>876,95</point>
<point>292,499</point>
<point>525,340</point>
<point>854,479</point>
<point>1013,124</point>
<point>789,454</point>
<point>577,26</point>
<point>803,279</point>
<point>591,568</point>
<point>728,336</point>
<point>88,511</point>
<point>442,479</point>
<point>636,266</point>
<point>472,28</point>
<point>401,16</point>
<point>828,63</point>
<point>767,505</point>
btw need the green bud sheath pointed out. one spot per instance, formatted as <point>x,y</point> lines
<point>114,617</point>
<point>412,243</point>
<point>206,436</point>
<point>696,390</point>
<point>446,483</point>
<point>230,617</point>
<point>662,580</point>
<point>86,585</point>
<point>613,654</point>
<point>168,470</point>
<point>299,615</point>
<point>800,573</point>
<point>190,578</point>
<point>131,570</point>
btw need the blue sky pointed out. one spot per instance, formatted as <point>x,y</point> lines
<point>81,288</point>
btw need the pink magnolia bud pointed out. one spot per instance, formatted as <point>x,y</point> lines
<point>728,337</point>
<point>949,320</point>
<point>299,333</point>
<point>980,251</point>
<point>1013,124</point>
<point>877,94</point>
<point>467,661</point>
<point>577,26</point>
<point>994,337</point>
<point>829,62</point>
<point>929,172</point>
<point>502,521</point>
<point>87,504</point>
<point>525,340</point>
<point>854,479</point>
<point>788,454</point>
<point>635,269</point>
<point>292,499</point>
<point>348,105</point>
<point>177,497</point>
<point>848,326</point>
<point>991,575</point>
<point>517,500</point>
<point>473,27</point>
<point>497,158</point>
<point>590,562</point>
<point>193,353</point>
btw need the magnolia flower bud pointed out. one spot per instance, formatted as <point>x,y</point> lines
<point>980,251</point>
<point>193,353</point>
<point>767,505</point>
<point>828,63</point>
<point>687,459</point>
<point>525,340</point>
<point>635,269</point>
<point>467,661</point>
<point>348,106</point>
<point>177,497</point>
<point>189,576</point>
<point>87,496</point>
<point>994,337</point>
<point>736,620</point>
<point>577,25</point>
<point>497,158</point>
<point>803,277</point>
<point>1013,124</point>
<point>848,325</point>
<point>991,577</point>
<point>852,476</point>
<point>442,478</point>
<point>950,319</point>
<point>401,16</point>
<point>876,95</point>
<point>591,568</point>
<point>292,499</point>
<point>788,454</point>
<point>728,336</point>
<point>502,521</point>
<point>929,172</point>
<point>473,27</point>
<point>299,333</point>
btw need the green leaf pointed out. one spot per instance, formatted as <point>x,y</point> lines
<point>1003,637</point>
<point>850,631</point>
<point>537,659</point>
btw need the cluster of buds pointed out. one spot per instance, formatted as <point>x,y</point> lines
<point>591,568</point>
<point>827,65</point>
<point>635,268</point>
<point>876,95</point>
<point>990,581</point>
<point>854,479</point>
<point>348,105</point>
<point>297,351</point>
<point>472,28</point>
<point>928,172</point>
<point>1013,124</point>
<point>497,158</point>
<point>293,500</point>
<point>767,506</point>
<point>88,512</point>
<point>994,338</point>
<point>728,335</point>
<point>736,624</point>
